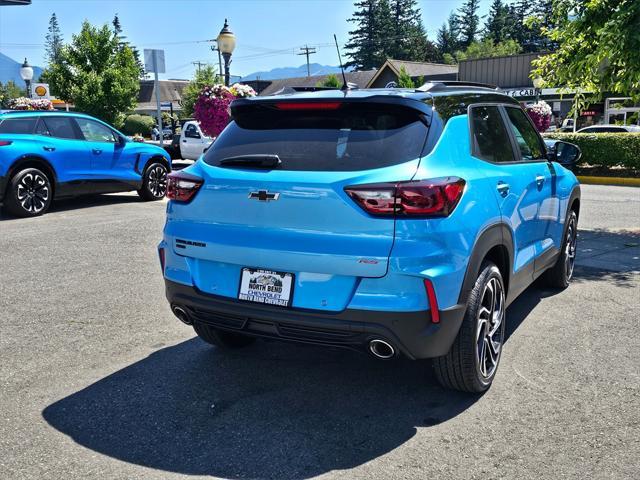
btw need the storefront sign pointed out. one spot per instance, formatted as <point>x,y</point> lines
<point>522,92</point>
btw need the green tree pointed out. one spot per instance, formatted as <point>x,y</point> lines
<point>407,37</point>
<point>447,38</point>
<point>122,41</point>
<point>53,41</point>
<point>486,48</point>
<point>598,49</point>
<point>331,81</point>
<point>368,41</point>
<point>97,74</point>
<point>9,91</point>
<point>539,21</point>
<point>404,80</point>
<point>469,22</point>
<point>204,76</point>
<point>496,26</point>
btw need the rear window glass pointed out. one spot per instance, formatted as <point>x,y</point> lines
<point>350,138</point>
<point>18,125</point>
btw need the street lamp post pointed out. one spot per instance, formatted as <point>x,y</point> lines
<point>226,44</point>
<point>26,72</point>
<point>538,83</point>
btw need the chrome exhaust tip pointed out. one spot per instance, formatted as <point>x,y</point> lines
<point>181,314</point>
<point>381,349</point>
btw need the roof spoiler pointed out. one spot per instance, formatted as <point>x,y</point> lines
<point>441,85</point>
<point>293,89</point>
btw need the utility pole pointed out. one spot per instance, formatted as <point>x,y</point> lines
<point>198,64</point>
<point>307,51</point>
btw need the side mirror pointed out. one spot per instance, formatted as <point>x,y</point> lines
<point>122,141</point>
<point>565,153</point>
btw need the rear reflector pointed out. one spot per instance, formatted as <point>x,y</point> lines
<point>433,301</point>
<point>181,187</point>
<point>436,197</point>
<point>4,143</point>
<point>307,105</point>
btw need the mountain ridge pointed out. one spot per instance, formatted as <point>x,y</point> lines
<point>292,72</point>
<point>10,70</point>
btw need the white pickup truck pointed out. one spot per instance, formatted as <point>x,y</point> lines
<point>192,141</point>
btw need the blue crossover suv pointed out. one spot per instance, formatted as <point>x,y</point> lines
<point>47,155</point>
<point>397,222</point>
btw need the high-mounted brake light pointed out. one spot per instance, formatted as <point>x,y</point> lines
<point>308,105</point>
<point>4,143</point>
<point>437,197</point>
<point>181,187</point>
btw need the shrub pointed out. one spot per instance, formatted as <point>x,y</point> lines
<point>140,124</point>
<point>605,149</point>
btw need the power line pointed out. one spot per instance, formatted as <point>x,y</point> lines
<point>307,51</point>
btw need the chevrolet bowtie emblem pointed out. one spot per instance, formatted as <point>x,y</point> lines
<point>264,196</point>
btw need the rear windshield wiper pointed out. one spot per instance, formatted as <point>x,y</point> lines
<point>258,160</point>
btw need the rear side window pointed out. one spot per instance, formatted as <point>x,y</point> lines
<point>354,136</point>
<point>491,140</point>
<point>18,125</point>
<point>61,127</point>
<point>526,137</point>
<point>94,131</point>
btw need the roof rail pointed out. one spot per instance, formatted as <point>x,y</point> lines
<point>440,85</point>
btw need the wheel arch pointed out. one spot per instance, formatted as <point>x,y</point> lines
<point>156,158</point>
<point>33,161</point>
<point>494,243</point>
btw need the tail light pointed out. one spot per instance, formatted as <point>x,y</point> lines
<point>4,143</point>
<point>437,197</point>
<point>181,186</point>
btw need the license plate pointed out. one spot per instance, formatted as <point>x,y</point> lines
<point>266,286</point>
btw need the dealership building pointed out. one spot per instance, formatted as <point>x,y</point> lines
<point>512,75</point>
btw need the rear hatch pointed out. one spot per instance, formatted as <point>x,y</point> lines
<point>273,196</point>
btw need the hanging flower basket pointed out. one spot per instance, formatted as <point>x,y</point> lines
<point>212,108</point>
<point>540,113</point>
<point>24,103</point>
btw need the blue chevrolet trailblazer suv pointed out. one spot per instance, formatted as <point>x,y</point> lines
<point>398,222</point>
<point>50,155</point>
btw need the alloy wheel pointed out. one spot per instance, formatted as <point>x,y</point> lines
<point>570,250</point>
<point>158,181</point>
<point>490,328</point>
<point>33,192</point>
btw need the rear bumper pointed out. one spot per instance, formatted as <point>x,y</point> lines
<point>412,333</point>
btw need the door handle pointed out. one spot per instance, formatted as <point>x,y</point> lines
<point>184,141</point>
<point>96,151</point>
<point>49,149</point>
<point>503,188</point>
<point>539,180</point>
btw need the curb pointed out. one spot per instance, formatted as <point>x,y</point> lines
<point>616,181</point>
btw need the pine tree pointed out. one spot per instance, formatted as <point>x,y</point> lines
<point>495,28</point>
<point>53,41</point>
<point>543,22</point>
<point>408,39</point>
<point>469,22</point>
<point>367,42</point>
<point>122,42</point>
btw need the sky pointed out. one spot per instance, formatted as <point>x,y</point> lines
<point>269,33</point>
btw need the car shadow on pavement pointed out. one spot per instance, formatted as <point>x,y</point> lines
<point>85,201</point>
<point>273,410</point>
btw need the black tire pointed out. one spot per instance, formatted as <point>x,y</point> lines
<point>29,193</point>
<point>154,182</point>
<point>560,274</point>
<point>472,362</point>
<point>221,339</point>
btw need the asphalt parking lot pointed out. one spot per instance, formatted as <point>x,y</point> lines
<point>99,380</point>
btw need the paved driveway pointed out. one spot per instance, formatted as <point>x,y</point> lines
<point>99,380</point>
